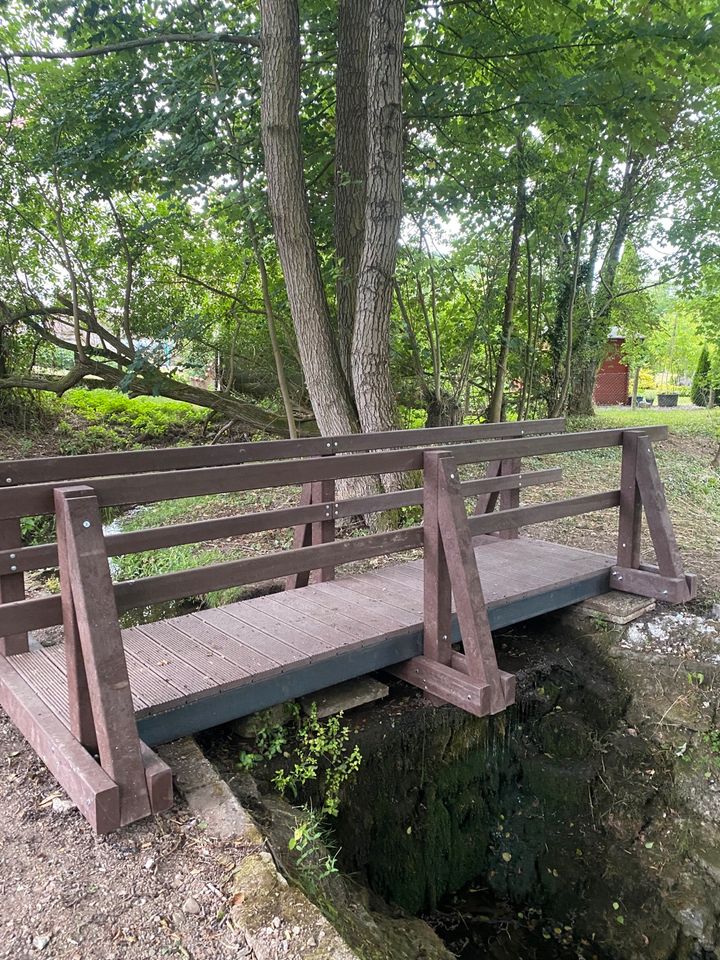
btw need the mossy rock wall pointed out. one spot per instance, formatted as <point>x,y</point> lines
<point>557,803</point>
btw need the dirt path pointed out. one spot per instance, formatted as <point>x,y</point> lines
<point>155,889</point>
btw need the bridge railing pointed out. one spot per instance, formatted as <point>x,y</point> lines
<point>19,616</point>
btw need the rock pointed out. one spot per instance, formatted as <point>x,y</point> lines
<point>62,805</point>
<point>715,611</point>
<point>149,863</point>
<point>344,696</point>
<point>41,941</point>
<point>615,607</point>
<point>191,906</point>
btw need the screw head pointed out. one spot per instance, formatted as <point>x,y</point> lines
<point>86,523</point>
<point>12,556</point>
<point>452,476</point>
<point>13,567</point>
<point>8,479</point>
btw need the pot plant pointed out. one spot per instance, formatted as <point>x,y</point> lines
<point>668,399</point>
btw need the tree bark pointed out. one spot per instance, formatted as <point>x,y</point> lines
<point>351,159</point>
<point>287,196</point>
<point>374,396</point>
<point>495,409</point>
<point>595,339</point>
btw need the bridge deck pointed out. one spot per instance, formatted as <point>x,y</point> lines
<point>195,671</point>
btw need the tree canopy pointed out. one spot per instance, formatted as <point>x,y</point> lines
<point>352,214</point>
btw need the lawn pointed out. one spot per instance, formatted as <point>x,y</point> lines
<point>692,487</point>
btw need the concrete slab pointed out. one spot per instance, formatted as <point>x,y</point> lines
<point>344,696</point>
<point>615,607</point>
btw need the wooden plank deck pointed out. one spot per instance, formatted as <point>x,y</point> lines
<point>196,671</point>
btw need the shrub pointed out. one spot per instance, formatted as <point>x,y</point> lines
<point>704,379</point>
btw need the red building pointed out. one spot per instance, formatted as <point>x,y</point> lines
<point>612,385</point>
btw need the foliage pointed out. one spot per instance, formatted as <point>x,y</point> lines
<point>701,384</point>
<point>321,754</point>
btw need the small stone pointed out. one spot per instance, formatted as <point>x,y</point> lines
<point>177,918</point>
<point>41,941</point>
<point>62,805</point>
<point>149,863</point>
<point>276,922</point>
<point>191,906</point>
<point>715,612</point>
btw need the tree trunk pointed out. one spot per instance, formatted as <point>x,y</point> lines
<point>496,401</point>
<point>595,336</point>
<point>374,397</point>
<point>351,159</point>
<point>287,196</point>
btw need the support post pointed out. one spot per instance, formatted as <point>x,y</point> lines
<point>630,523</point>
<point>466,586</point>
<point>510,499</point>
<point>642,489</point>
<point>102,651</point>
<point>82,724</point>
<point>436,589</point>
<point>323,491</point>
<point>12,587</point>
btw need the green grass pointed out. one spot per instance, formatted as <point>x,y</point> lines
<point>684,423</point>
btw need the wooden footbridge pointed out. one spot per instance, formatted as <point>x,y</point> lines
<point>94,705</point>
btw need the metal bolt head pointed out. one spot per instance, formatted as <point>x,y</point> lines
<point>8,479</point>
<point>12,556</point>
<point>86,523</point>
<point>13,568</point>
<point>452,476</point>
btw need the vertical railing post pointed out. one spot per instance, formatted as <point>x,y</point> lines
<point>12,586</point>
<point>436,587</point>
<point>103,656</point>
<point>323,531</point>
<point>630,522</point>
<point>509,499</point>
<point>82,725</point>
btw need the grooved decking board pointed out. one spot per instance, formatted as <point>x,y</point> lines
<point>299,641</point>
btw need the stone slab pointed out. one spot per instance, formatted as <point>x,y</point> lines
<point>615,607</point>
<point>345,696</point>
<point>207,795</point>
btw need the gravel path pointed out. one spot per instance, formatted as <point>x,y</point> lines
<point>156,889</point>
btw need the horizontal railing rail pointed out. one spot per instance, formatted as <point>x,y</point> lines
<point>47,611</point>
<point>34,470</point>
<point>45,556</point>
<point>37,499</point>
